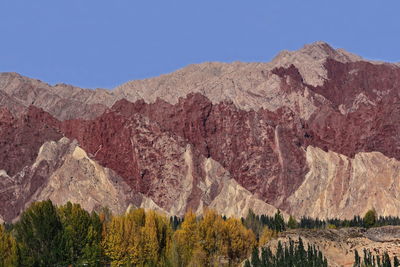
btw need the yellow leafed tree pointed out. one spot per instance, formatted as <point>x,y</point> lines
<point>8,249</point>
<point>122,240</point>
<point>266,235</point>
<point>212,236</point>
<point>240,241</point>
<point>186,239</point>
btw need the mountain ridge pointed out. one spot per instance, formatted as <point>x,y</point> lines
<point>232,136</point>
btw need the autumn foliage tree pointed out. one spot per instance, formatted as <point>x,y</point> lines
<point>137,238</point>
<point>186,240</point>
<point>8,249</point>
<point>67,235</point>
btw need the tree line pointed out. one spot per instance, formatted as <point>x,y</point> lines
<point>49,235</point>
<point>370,219</point>
<point>369,259</point>
<point>292,254</point>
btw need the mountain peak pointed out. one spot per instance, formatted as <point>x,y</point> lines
<point>310,59</point>
<point>318,48</point>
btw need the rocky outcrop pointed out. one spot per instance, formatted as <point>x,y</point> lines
<point>62,172</point>
<point>78,179</point>
<point>339,186</point>
<point>338,245</point>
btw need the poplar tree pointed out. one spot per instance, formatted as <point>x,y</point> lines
<point>8,249</point>
<point>39,234</point>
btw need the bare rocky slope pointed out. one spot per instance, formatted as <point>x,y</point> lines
<point>338,245</point>
<point>304,133</point>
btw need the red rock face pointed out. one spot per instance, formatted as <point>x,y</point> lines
<point>21,137</point>
<point>149,158</point>
<point>347,80</point>
<point>261,150</point>
<point>373,124</point>
<point>264,151</point>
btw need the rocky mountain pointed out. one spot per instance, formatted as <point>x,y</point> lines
<point>314,133</point>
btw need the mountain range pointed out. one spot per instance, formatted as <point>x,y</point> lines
<point>314,132</point>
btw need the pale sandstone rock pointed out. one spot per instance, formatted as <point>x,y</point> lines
<point>235,201</point>
<point>63,172</point>
<point>339,186</point>
<point>232,200</point>
<point>79,179</point>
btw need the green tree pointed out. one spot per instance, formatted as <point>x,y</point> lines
<point>252,222</point>
<point>292,223</point>
<point>370,218</point>
<point>39,233</point>
<point>386,260</point>
<point>76,223</point>
<point>279,222</point>
<point>92,253</point>
<point>255,259</point>
<point>396,262</point>
<point>357,259</point>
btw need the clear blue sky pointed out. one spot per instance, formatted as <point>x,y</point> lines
<point>103,43</point>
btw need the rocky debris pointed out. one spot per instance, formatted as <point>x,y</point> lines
<point>384,234</point>
<point>235,201</point>
<point>338,245</point>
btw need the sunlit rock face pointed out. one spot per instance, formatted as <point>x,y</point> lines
<point>305,133</point>
<point>339,186</point>
<point>79,179</point>
<point>62,172</point>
